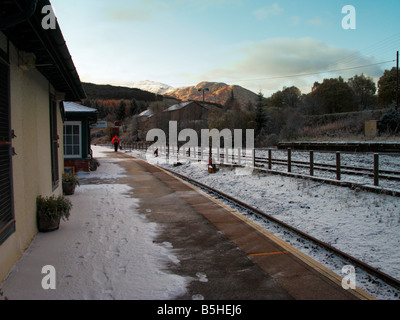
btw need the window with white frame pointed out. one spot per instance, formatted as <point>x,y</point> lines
<point>72,139</point>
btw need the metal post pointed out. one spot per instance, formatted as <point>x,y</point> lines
<point>311,163</point>
<point>289,160</point>
<point>376,169</point>
<point>269,159</point>
<point>338,175</point>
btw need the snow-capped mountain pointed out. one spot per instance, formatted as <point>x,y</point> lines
<point>151,86</point>
<point>217,92</point>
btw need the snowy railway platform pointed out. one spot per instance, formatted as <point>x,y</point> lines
<point>138,233</point>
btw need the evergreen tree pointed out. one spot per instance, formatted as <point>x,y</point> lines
<point>134,109</point>
<point>121,112</point>
<point>261,117</point>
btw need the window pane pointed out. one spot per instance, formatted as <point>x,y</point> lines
<point>68,129</point>
<point>68,139</point>
<point>69,150</point>
<point>76,150</point>
<point>76,129</point>
<point>76,140</point>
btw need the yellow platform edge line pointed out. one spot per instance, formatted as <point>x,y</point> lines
<point>267,253</point>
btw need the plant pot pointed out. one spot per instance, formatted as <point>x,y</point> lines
<point>68,188</point>
<point>45,225</point>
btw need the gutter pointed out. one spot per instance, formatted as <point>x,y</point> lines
<point>59,53</point>
<point>53,42</point>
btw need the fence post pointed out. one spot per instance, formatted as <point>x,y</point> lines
<point>239,156</point>
<point>254,157</point>
<point>311,163</point>
<point>289,160</point>
<point>376,169</point>
<point>269,159</point>
<point>338,174</point>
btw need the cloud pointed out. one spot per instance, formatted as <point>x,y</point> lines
<point>145,10</point>
<point>279,61</point>
<point>129,14</point>
<point>265,12</point>
<point>316,21</point>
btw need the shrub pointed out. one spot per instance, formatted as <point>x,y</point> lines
<point>53,208</point>
<point>390,122</point>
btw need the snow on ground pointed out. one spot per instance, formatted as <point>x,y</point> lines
<point>105,250</point>
<point>362,224</point>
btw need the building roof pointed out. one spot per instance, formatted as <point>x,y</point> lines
<point>180,106</point>
<point>146,113</point>
<point>74,109</point>
<point>21,22</point>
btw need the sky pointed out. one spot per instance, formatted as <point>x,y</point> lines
<point>261,45</point>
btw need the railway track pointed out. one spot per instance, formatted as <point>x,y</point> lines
<point>301,236</point>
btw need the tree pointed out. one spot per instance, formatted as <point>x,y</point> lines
<point>291,97</point>
<point>261,117</point>
<point>134,109</point>
<point>334,95</point>
<point>276,99</point>
<point>387,87</point>
<point>364,89</point>
<point>121,112</point>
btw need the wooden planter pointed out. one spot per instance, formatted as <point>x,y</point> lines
<point>45,225</point>
<point>68,188</point>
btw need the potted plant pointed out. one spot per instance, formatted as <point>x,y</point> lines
<point>93,164</point>
<point>50,210</point>
<point>69,182</point>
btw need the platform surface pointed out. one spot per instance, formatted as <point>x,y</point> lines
<point>226,255</point>
<point>241,260</point>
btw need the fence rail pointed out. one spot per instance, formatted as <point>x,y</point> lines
<point>243,157</point>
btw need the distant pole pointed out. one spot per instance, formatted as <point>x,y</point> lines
<point>397,81</point>
<point>203,89</point>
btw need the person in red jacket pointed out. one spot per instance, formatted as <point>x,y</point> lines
<point>115,141</point>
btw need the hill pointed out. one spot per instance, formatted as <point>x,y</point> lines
<point>152,86</point>
<point>218,93</point>
<point>109,92</point>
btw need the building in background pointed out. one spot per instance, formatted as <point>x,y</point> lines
<point>77,122</point>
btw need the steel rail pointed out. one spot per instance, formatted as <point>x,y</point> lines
<point>356,262</point>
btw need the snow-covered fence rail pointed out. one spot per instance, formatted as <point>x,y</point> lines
<point>332,162</point>
<point>377,169</point>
